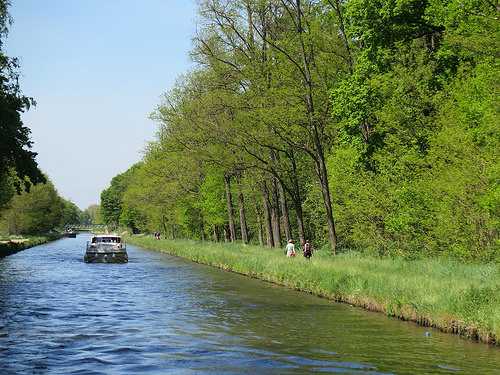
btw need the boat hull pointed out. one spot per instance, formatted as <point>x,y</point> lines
<point>105,257</point>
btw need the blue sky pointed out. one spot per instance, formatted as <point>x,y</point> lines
<point>97,69</point>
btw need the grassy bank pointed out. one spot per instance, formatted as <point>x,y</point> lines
<point>13,244</point>
<point>457,298</point>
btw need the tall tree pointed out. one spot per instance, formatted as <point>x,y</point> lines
<point>15,143</point>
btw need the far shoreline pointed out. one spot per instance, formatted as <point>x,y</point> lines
<point>11,247</point>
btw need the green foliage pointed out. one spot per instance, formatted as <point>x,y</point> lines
<point>132,218</point>
<point>39,211</point>
<point>15,143</point>
<point>7,187</point>
<point>415,164</point>
<point>70,214</point>
<point>212,198</point>
<point>112,197</point>
<point>465,174</point>
<point>111,206</point>
<point>91,215</point>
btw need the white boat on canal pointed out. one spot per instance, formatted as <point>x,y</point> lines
<point>106,248</point>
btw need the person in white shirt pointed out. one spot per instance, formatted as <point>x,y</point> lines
<point>290,249</point>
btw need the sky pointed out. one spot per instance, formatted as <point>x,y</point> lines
<point>97,69</point>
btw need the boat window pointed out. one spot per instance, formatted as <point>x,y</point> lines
<point>106,239</point>
<point>93,239</point>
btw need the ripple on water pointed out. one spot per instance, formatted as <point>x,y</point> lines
<point>125,350</point>
<point>79,360</point>
<point>450,368</point>
<point>83,372</point>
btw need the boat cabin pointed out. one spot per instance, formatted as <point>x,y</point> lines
<point>106,248</point>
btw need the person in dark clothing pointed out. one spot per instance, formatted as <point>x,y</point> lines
<point>308,251</point>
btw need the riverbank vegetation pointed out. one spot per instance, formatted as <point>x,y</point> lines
<point>360,125</point>
<point>446,294</point>
<point>12,244</point>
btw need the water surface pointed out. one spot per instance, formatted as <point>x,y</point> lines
<point>160,314</point>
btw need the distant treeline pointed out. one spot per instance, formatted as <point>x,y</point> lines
<point>42,210</point>
<point>359,124</point>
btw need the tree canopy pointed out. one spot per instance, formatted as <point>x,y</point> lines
<point>361,125</point>
<point>18,167</point>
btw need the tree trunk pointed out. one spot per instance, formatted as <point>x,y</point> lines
<point>227,235</point>
<point>300,222</point>
<point>284,211</point>
<point>164,226</point>
<point>319,152</point>
<point>297,199</point>
<point>216,234</point>
<point>275,214</point>
<point>325,191</point>
<point>267,216</point>
<point>230,212</point>
<point>340,18</point>
<point>259,225</point>
<point>243,220</point>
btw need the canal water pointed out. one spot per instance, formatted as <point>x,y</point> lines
<point>159,315</point>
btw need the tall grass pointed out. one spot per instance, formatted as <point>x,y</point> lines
<point>459,298</point>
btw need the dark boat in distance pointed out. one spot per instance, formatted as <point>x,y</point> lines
<point>71,233</point>
<point>106,248</point>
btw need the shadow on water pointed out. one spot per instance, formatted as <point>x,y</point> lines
<point>158,314</point>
